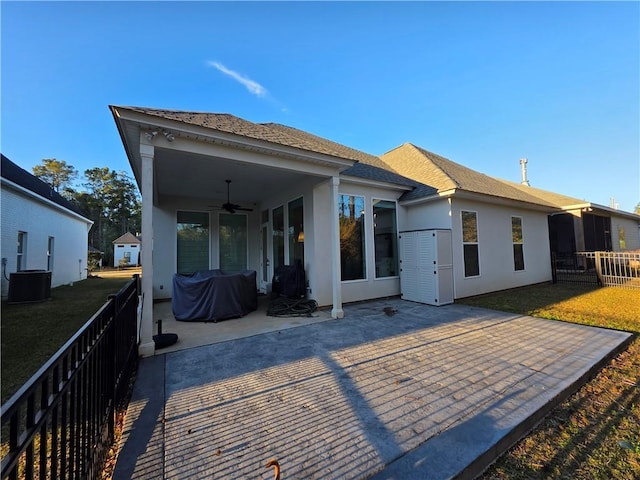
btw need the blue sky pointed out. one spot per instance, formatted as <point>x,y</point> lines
<point>482,83</point>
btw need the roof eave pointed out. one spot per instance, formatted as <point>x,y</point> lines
<point>46,201</point>
<point>375,183</point>
<point>195,132</point>
<point>460,194</point>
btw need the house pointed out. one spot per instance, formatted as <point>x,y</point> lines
<point>41,230</point>
<point>222,192</point>
<point>126,250</point>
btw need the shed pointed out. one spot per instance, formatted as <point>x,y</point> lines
<point>126,250</point>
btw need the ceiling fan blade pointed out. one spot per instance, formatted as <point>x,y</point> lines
<point>232,207</point>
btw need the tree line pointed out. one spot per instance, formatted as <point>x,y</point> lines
<point>107,197</point>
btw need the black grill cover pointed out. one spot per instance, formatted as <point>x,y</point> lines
<point>289,281</point>
<point>213,295</point>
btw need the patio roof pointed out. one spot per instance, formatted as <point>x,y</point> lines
<point>184,170</point>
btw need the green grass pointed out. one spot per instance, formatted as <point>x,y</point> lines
<point>595,434</point>
<point>31,333</point>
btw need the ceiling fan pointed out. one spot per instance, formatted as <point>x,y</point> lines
<point>232,207</point>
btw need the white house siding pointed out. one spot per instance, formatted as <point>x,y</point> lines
<point>496,249</point>
<point>40,221</point>
<point>165,251</point>
<point>121,249</point>
<point>164,227</point>
<point>631,234</point>
<point>435,214</point>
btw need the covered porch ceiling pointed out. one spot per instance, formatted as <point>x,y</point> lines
<point>193,175</point>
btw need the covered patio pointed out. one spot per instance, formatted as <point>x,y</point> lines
<point>425,392</point>
<point>222,193</point>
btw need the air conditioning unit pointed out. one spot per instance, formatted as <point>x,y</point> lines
<point>29,286</point>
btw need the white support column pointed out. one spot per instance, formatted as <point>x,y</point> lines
<point>336,311</point>
<point>147,346</point>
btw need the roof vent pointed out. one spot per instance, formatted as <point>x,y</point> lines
<point>523,171</point>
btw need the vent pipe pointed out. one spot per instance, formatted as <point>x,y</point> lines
<point>523,171</point>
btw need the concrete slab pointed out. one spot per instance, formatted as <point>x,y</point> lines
<point>195,334</point>
<point>430,392</point>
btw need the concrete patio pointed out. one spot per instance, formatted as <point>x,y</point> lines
<point>428,392</point>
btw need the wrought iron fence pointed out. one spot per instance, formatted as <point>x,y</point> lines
<point>617,269</point>
<point>60,424</point>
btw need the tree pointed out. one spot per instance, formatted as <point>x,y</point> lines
<point>111,200</point>
<point>57,173</point>
<point>637,210</point>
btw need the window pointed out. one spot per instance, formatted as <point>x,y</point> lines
<point>50,254</point>
<point>352,249</point>
<point>127,258</point>
<point>385,238</point>
<point>518,243</point>
<point>193,242</point>
<point>621,240</point>
<point>470,244</point>
<point>21,251</point>
<point>296,231</point>
<point>233,242</point>
<point>278,237</point>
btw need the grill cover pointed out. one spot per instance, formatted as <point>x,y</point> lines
<point>213,295</point>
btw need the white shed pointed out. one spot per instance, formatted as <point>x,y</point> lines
<point>426,271</point>
<point>126,250</point>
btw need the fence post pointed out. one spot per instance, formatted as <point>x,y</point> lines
<point>554,273</point>
<point>113,363</point>
<point>599,269</point>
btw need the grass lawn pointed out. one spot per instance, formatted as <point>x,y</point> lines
<point>32,332</point>
<point>595,434</point>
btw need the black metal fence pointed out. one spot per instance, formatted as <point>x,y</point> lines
<point>60,424</point>
<point>617,269</point>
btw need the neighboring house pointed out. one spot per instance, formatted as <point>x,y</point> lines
<point>41,230</point>
<point>126,250</point>
<point>341,212</point>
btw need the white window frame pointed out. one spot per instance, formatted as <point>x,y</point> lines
<point>50,247</point>
<point>210,227</point>
<point>21,251</point>
<point>246,226</point>
<point>476,243</point>
<point>514,243</point>
<point>364,233</point>
<point>373,236</point>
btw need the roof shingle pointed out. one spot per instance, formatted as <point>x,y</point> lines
<point>19,176</point>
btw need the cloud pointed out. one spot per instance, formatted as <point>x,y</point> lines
<point>254,87</point>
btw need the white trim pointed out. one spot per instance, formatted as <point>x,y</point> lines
<point>147,346</point>
<point>477,243</point>
<point>366,200</point>
<point>336,311</point>
<point>40,198</point>
<point>524,262</point>
<point>374,183</point>
<point>246,226</point>
<point>373,236</point>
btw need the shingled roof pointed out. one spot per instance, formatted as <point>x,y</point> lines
<point>12,172</point>
<point>268,132</point>
<point>407,165</point>
<point>443,175</point>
